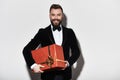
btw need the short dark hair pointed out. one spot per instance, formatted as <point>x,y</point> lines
<point>55,6</point>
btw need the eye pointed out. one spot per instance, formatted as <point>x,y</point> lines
<point>59,14</point>
<point>52,14</point>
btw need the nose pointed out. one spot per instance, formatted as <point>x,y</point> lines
<point>56,17</point>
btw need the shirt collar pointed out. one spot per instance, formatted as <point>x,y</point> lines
<point>52,27</point>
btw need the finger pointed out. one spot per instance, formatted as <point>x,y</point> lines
<point>41,71</point>
<point>63,69</point>
<point>41,66</point>
<point>65,61</point>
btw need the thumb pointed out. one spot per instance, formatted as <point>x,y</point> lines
<point>41,65</point>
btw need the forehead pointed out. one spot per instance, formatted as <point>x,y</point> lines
<point>57,11</point>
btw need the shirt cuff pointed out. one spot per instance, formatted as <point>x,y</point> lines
<point>33,65</point>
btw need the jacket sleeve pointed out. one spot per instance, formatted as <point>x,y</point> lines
<point>75,51</point>
<point>31,46</point>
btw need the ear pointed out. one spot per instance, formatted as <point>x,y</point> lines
<point>62,15</point>
<point>49,15</point>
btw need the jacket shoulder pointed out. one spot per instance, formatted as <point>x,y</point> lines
<point>68,29</point>
<point>43,29</point>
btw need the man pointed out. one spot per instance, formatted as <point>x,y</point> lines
<point>55,33</point>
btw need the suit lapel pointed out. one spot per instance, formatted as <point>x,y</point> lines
<point>50,35</point>
<point>64,35</point>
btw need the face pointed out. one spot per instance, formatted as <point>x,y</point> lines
<point>56,17</point>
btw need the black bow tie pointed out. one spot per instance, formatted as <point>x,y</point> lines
<point>57,28</point>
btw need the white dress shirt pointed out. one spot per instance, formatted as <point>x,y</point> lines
<point>57,35</point>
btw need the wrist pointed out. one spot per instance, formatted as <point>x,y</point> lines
<point>32,66</point>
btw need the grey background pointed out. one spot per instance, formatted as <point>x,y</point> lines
<point>96,24</point>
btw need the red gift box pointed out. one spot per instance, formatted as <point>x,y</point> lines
<point>51,57</point>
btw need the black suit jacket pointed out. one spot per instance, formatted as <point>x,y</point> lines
<point>45,37</point>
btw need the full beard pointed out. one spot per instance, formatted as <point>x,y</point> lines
<point>56,24</point>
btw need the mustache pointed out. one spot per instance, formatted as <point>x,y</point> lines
<point>56,20</point>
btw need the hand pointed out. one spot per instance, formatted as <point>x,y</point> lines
<point>66,65</point>
<point>37,69</point>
